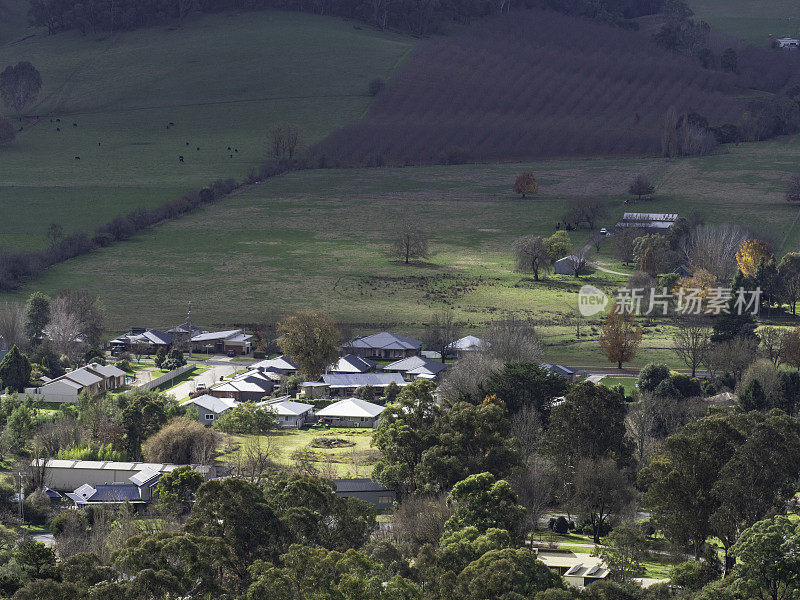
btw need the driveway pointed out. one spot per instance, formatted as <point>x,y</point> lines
<point>209,378</point>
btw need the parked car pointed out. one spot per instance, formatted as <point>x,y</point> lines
<point>603,231</point>
<point>201,386</point>
<point>231,353</point>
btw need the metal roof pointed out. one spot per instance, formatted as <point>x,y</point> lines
<point>416,365</point>
<point>385,341</point>
<point>359,379</point>
<point>351,363</point>
<point>359,485</point>
<point>281,363</point>
<point>214,404</point>
<point>351,407</point>
<point>215,335</point>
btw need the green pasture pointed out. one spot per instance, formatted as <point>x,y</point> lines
<point>222,80</point>
<point>752,20</point>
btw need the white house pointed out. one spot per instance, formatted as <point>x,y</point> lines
<point>351,412</point>
<point>569,265</point>
<point>288,412</point>
<point>209,408</point>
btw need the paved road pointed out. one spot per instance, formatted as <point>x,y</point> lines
<point>46,538</point>
<point>208,378</point>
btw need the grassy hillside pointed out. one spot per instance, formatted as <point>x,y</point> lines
<point>532,84</point>
<point>751,20</point>
<point>223,80</point>
<point>317,239</point>
<point>13,20</point>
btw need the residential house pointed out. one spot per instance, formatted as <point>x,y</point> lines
<point>416,367</point>
<point>209,408</point>
<point>92,379</point>
<point>383,346</point>
<point>350,363</point>
<point>145,341</point>
<point>351,412</point>
<point>288,412</point>
<point>788,43</point>
<point>67,475</point>
<point>281,365</point>
<point>222,342</point>
<point>560,370</point>
<point>251,386</point>
<point>137,490</point>
<point>465,345</point>
<point>367,490</point>
<point>339,385</point>
<point>577,569</point>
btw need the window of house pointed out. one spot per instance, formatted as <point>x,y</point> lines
<point>209,417</point>
<point>384,499</point>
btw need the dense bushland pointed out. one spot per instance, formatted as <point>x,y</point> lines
<point>532,84</point>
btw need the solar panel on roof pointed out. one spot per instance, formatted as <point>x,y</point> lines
<point>594,570</point>
<point>574,569</point>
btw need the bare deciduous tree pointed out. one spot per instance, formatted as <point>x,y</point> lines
<point>772,343</point>
<point>713,248</point>
<point>64,328</point>
<point>462,381</point>
<point>514,340</point>
<point>12,324</point>
<point>732,357</point>
<point>409,240</point>
<point>691,341</point>
<point>420,520</point>
<point>441,332</point>
<point>285,141</point>
<point>530,255</point>
<point>535,487</point>
<point>253,460</point>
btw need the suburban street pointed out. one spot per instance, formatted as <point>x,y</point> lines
<point>213,375</point>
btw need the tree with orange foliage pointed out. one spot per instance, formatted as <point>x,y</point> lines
<point>620,337</point>
<point>526,184</point>
<point>751,252</point>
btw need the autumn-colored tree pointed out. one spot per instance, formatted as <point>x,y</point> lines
<point>620,336</point>
<point>751,252</point>
<point>700,283</point>
<point>526,184</point>
<point>310,339</point>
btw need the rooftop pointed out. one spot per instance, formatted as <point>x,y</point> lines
<point>351,407</point>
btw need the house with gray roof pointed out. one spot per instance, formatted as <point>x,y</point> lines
<point>288,412</point>
<point>281,365</point>
<point>416,367</point>
<point>209,408</point>
<point>383,346</point>
<point>367,490</point>
<point>222,342</point>
<point>337,385</point>
<point>137,490</point>
<point>251,386</point>
<point>351,412</point>
<point>350,363</point>
<point>92,379</point>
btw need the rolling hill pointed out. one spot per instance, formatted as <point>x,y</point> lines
<point>105,145</point>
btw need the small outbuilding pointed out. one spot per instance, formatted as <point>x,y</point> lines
<point>367,490</point>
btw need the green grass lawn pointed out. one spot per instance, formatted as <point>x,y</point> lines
<point>317,240</point>
<point>629,383</point>
<point>751,20</point>
<point>349,461</point>
<point>223,80</point>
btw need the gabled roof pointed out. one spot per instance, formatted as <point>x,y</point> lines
<point>351,407</point>
<point>468,342</point>
<point>280,364</point>
<point>106,492</point>
<point>416,365</point>
<point>351,363</point>
<point>215,405</point>
<point>207,336</point>
<point>339,380</point>
<point>83,377</point>
<point>359,485</point>
<point>184,328</point>
<point>106,370</point>
<point>144,477</point>
<point>155,337</point>
<point>558,370</point>
<point>285,407</point>
<point>385,341</point>
<point>246,384</point>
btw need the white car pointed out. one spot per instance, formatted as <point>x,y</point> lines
<point>603,231</point>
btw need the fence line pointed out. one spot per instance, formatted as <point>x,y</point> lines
<point>149,385</point>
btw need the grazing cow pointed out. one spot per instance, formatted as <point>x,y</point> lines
<point>58,128</point>
<point>58,120</point>
<point>180,158</point>
<point>77,158</point>
<point>229,148</point>
<point>236,150</point>
<point>198,148</point>
<point>187,143</point>
<point>98,143</point>
<point>74,124</point>
<point>231,156</point>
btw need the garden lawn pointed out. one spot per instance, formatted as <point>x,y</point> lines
<point>351,461</point>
